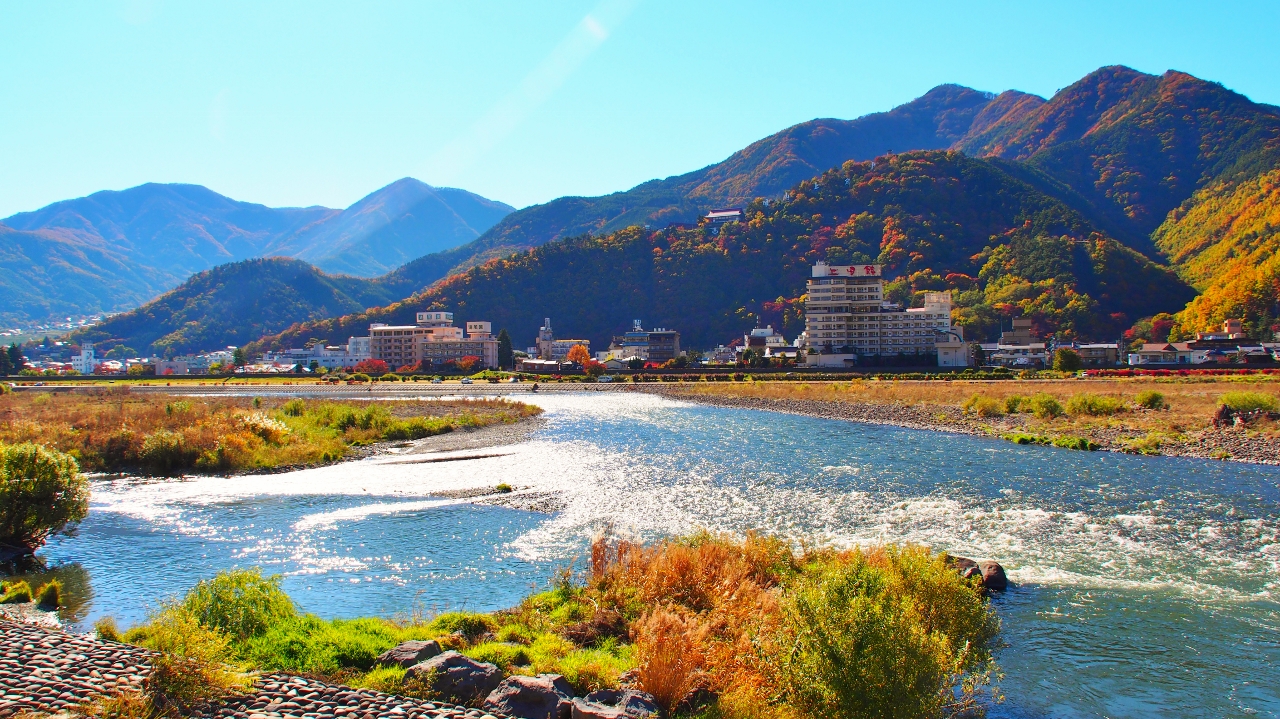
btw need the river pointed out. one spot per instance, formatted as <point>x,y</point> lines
<point>1144,586</point>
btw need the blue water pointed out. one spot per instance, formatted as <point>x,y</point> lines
<point>1144,586</point>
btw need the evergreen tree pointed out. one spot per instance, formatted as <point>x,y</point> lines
<point>506,359</point>
<point>237,357</point>
<point>15,358</point>
<point>6,369</point>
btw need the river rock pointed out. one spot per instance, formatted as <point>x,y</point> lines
<point>546,696</point>
<point>406,654</point>
<point>993,576</point>
<point>630,702</point>
<point>457,677</point>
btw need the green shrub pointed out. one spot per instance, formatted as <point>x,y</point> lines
<point>166,452</point>
<point>504,655</point>
<point>389,680</point>
<point>107,630</point>
<point>1151,399</point>
<point>886,634</point>
<point>1044,406</point>
<point>1069,442</point>
<point>1094,405</point>
<point>1013,404</point>
<point>41,492</point>
<point>1250,401</point>
<point>983,406</point>
<point>240,602</point>
<point>504,487</point>
<point>192,664</point>
<point>18,592</point>
<point>294,408</point>
<point>49,596</point>
<point>469,624</point>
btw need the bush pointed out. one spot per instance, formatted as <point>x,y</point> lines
<point>294,408</point>
<point>1014,404</point>
<point>1249,401</point>
<point>670,658</point>
<point>469,624</point>
<point>1044,406</point>
<point>983,406</point>
<point>240,602</point>
<point>503,487</point>
<point>41,492</point>
<point>18,592</point>
<point>49,596</point>
<point>1093,405</point>
<point>107,630</point>
<point>1067,360</point>
<point>308,643</point>
<point>1151,399</point>
<point>192,661</point>
<point>889,633</point>
<point>167,452</point>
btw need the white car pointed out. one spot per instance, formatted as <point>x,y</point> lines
<point>437,380</point>
<point>466,380</point>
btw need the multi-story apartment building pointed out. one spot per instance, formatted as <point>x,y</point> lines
<point>433,340</point>
<point>846,317</point>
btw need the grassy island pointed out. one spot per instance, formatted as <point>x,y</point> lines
<point>115,430</point>
<point>711,626</point>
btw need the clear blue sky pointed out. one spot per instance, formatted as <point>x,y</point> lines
<point>301,103</point>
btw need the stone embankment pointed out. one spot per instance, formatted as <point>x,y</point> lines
<point>1235,443</point>
<point>47,671</point>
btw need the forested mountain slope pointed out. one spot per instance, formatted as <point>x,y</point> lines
<point>235,303</point>
<point>935,219</point>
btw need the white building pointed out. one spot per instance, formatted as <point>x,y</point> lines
<point>846,317</point>
<point>85,361</point>
<point>767,342</point>
<point>327,356</point>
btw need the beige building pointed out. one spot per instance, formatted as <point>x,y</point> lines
<point>550,348</point>
<point>846,317</point>
<point>432,341</point>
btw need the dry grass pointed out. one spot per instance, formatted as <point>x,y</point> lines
<point>1191,402</point>
<point>114,430</point>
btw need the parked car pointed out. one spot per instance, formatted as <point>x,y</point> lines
<point>466,380</point>
<point>604,378</point>
<point>437,380</point>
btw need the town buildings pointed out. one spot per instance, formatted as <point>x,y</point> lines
<point>552,349</point>
<point>656,345</point>
<point>432,341</point>
<point>85,361</point>
<point>847,319</point>
<point>330,357</point>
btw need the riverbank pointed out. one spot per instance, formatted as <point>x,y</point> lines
<point>1183,427</point>
<point>662,625</point>
<point>157,434</point>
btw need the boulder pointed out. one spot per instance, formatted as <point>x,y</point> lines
<point>546,696</point>
<point>590,710</point>
<point>630,702</point>
<point>406,654</point>
<point>990,573</point>
<point>456,677</point>
<point>993,576</point>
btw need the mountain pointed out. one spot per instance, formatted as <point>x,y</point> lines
<point>1225,242</point>
<point>766,168</point>
<point>400,222</point>
<point>234,303</point>
<point>118,249</point>
<point>937,220</point>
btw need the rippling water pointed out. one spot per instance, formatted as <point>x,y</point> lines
<point>1145,586</point>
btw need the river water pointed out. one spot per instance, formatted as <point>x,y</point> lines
<point>1143,586</point>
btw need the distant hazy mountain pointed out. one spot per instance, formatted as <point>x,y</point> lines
<point>114,250</point>
<point>401,222</point>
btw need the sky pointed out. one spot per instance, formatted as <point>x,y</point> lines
<point>315,103</point>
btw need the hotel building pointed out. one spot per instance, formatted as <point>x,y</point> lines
<point>433,340</point>
<point>847,318</point>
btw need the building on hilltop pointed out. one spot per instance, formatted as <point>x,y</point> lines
<point>432,341</point>
<point>847,318</point>
<point>550,348</point>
